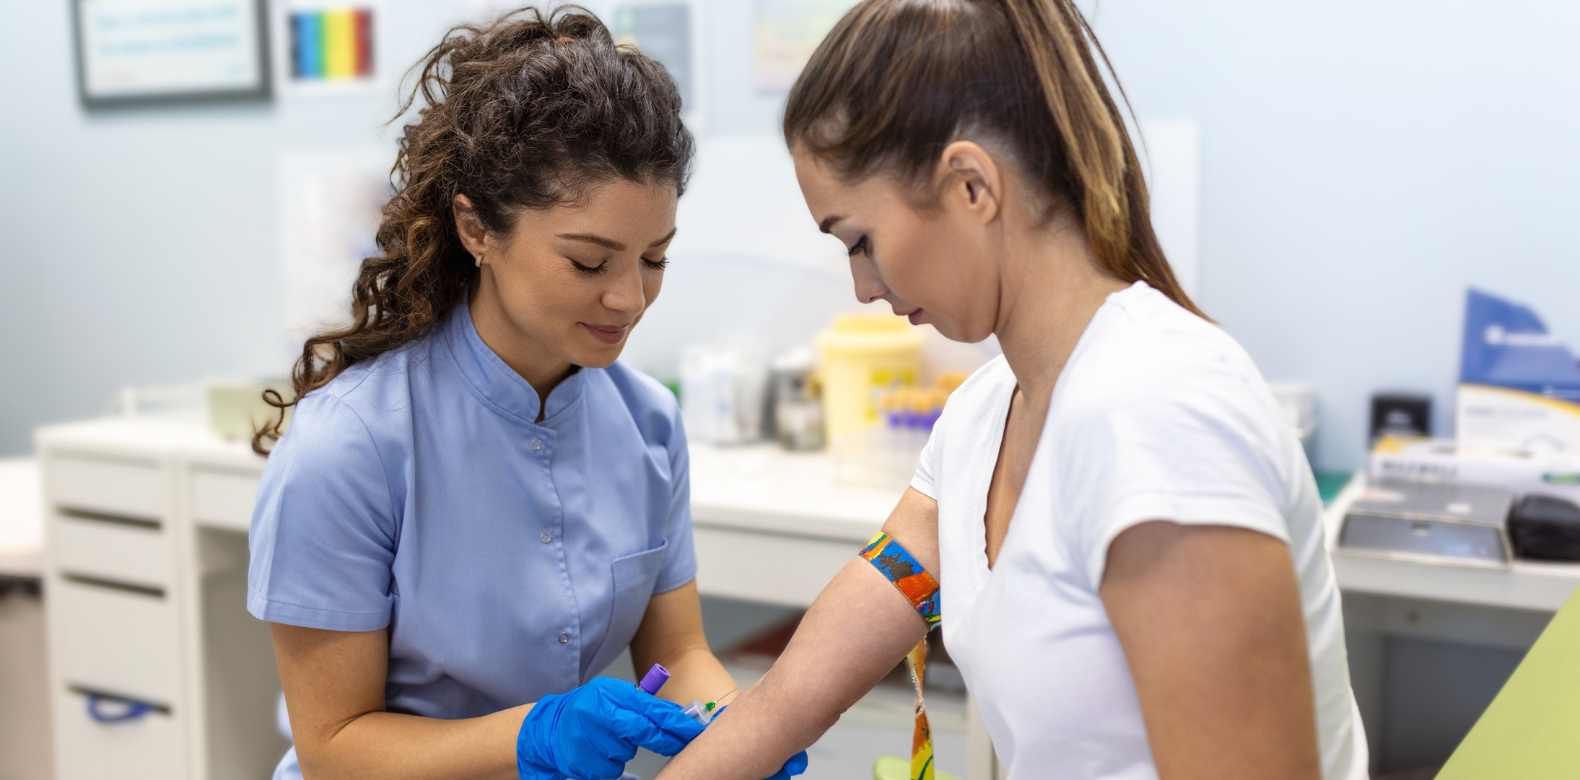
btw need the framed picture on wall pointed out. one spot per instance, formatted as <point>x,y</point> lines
<point>155,51</point>
<point>669,31</point>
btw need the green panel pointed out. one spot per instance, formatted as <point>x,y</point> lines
<point>1329,483</point>
<point>1532,730</point>
<point>896,768</point>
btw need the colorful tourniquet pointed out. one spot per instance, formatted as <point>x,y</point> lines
<point>886,554</point>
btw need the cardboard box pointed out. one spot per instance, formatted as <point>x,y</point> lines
<point>1519,385</point>
<point>1445,460</point>
<point>1505,418</point>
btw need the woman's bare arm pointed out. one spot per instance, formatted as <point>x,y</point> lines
<point>334,690</point>
<point>1210,621</point>
<point>671,634</point>
<point>857,630</point>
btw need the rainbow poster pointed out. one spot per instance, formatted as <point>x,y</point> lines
<point>331,44</point>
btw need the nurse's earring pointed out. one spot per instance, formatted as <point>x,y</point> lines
<point>479,260</point>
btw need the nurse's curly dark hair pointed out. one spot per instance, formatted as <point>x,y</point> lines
<point>525,113</point>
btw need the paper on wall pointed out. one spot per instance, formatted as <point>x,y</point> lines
<point>330,207</point>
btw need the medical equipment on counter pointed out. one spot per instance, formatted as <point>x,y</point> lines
<point>885,455</point>
<point>1430,522</point>
<point>862,356</point>
<point>1554,474</point>
<point>1401,414</point>
<point>722,392</point>
<point>1545,528</point>
<point>1299,405</point>
<point>797,400</point>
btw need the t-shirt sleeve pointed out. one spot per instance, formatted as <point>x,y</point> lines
<point>324,528</point>
<point>680,558</point>
<point>1202,448</point>
<point>923,480</point>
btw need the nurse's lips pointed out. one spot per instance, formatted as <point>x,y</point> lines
<point>914,315</point>
<point>606,333</point>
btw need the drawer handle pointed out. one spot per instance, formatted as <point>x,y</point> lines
<point>130,709</point>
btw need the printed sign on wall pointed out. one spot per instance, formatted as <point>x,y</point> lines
<point>141,51</point>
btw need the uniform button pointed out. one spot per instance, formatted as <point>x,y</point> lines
<point>547,537</point>
<point>537,444</point>
<point>565,638</point>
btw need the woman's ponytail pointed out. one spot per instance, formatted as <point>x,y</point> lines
<point>898,80</point>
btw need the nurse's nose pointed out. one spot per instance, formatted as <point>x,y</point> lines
<point>624,293</point>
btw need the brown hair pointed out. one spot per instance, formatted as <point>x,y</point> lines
<point>897,81</point>
<point>525,113</point>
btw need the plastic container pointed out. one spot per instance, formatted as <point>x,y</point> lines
<point>864,355</point>
<point>723,391</point>
<point>885,455</point>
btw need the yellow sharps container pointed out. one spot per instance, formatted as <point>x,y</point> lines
<point>864,355</point>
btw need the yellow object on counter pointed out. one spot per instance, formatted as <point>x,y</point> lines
<point>862,356</point>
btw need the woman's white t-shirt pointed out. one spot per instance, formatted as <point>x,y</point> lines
<point>1158,415</point>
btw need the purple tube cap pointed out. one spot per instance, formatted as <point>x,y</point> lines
<point>654,679</point>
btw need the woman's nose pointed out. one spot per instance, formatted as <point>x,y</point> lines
<point>625,294</point>
<point>869,287</point>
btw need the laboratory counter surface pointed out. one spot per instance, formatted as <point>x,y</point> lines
<point>146,523</point>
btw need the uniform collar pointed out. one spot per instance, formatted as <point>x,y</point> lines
<point>497,382</point>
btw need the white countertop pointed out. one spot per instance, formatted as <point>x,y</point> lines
<point>145,436</point>
<point>763,488</point>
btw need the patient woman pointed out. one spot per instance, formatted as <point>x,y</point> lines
<point>1126,531</point>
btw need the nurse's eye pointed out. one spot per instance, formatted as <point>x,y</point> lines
<point>861,246</point>
<point>657,265</point>
<point>590,270</point>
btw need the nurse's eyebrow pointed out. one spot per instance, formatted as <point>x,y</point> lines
<point>609,243</point>
<point>827,225</point>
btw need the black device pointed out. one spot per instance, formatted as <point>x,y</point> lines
<point>1545,528</point>
<point>1403,414</point>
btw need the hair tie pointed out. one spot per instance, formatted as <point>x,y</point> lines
<point>565,39</point>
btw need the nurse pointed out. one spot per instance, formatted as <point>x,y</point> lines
<point>1125,532</point>
<point>476,509</point>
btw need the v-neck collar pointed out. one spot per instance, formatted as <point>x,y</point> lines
<point>499,384</point>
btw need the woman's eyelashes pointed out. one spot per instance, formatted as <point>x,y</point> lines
<point>595,270</point>
<point>861,245</point>
<point>590,270</point>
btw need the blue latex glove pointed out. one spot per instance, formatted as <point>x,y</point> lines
<point>795,766</point>
<point>588,733</point>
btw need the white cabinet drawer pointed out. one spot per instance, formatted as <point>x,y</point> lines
<point>222,499</point>
<point>114,640</point>
<point>147,747</point>
<point>129,487</point>
<point>111,550</point>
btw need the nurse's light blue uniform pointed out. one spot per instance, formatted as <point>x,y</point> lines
<point>509,559</point>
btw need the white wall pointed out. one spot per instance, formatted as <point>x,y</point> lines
<point>1361,164</point>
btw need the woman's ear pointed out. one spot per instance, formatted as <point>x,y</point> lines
<point>473,235</point>
<point>973,179</point>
